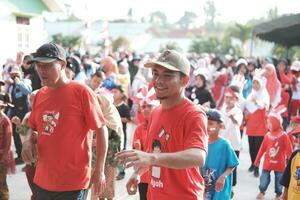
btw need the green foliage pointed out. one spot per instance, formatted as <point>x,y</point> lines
<point>272,13</point>
<point>187,19</point>
<point>281,52</point>
<point>67,41</point>
<point>210,12</point>
<point>242,32</point>
<point>171,46</point>
<point>213,45</point>
<point>205,44</point>
<point>120,42</point>
<point>158,17</point>
<point>239,31</point>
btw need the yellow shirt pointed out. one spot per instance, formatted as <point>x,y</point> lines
<point>294,186</point>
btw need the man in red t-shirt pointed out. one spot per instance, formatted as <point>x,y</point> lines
<point>177,136</point>
<point>64,113</point>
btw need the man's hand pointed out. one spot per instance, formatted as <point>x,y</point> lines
<point>220,183</point>
<point>16,120</point>
<point>98,181</point>
<point>135,158</point>
<point>132,184</point>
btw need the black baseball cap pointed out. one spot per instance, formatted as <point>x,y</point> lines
<point>48,53</point>
<point>214,115</point>
<point>118,87</point>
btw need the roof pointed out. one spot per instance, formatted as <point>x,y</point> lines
<point>284,30</point>
<point>183,33</point>
<point>31,7</point>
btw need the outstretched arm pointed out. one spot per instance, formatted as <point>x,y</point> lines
<point>176,160</point>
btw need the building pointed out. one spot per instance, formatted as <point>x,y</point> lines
<point>22,25</point>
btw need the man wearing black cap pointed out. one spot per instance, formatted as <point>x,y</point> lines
<point>177,136</point>
<point>63,114</point>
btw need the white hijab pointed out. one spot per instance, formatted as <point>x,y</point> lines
<point>261,95</point>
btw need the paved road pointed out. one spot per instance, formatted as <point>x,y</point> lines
<point>246,189</point>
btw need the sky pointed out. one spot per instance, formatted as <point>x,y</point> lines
<point>228,10</point>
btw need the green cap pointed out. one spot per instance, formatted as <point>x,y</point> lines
<point>172,60</point>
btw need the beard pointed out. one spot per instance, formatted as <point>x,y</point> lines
<point>161,97</point>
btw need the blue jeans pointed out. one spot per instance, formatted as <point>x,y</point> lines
<point>265,179</point>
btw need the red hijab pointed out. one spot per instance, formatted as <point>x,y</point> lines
<point>273,84</point>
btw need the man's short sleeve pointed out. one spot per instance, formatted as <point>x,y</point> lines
<point>196,131</point>
<point>92,111</point>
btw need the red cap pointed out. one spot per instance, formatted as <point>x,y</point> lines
<point>230,92</point>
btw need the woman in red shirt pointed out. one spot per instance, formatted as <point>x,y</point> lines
<point>257,104</point>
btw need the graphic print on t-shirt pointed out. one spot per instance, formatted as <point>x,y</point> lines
<point>297,178</point>
<point>158,146</point>
<point>274,150</point>
<point>209,179</point>
<point>50,121</point>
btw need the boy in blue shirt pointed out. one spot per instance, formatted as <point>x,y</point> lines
<point>220,162</point>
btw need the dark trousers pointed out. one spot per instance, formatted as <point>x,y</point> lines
<point>143,188</point>
<point>234,173</point>
<point>4,194</point>
<point>42,194</point>
<point>30,171</point>
<point>17,141</point>
<point>254,145</point>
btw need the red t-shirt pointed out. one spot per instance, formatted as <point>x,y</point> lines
<point>285,97</point>
<point>171,130</point>
<point>140,134</point>
<point>257,123</point>
<point>276,150</point>
<point>219,89</point>
<point>64,118</point>
<point>5,134</point>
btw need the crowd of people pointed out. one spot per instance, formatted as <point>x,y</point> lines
<point>67,115</point>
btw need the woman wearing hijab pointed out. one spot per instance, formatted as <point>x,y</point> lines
<point>257,104</point>
<point>220,78</point>
<point>273,85</point>
<point>199,94</point>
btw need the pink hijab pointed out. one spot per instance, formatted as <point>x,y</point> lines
<point>273,84</point>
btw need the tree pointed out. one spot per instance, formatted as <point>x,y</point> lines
<point>67,41</point>
<point>205,45</point>
<point>240,32</point>
<point>281,52</point>
<point>130,14</point>
<point>187,19</point>
<point>272,13</point>
<point>170,46</point>
<point>158,17</point>
<point>120,42</point>
<point>210,12</point>
<point>213,45</point>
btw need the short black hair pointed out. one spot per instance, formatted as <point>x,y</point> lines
<point>156,143</point>
<point>99,74</point>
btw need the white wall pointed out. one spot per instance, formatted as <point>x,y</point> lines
<point>8,35</point>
